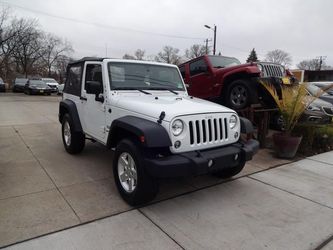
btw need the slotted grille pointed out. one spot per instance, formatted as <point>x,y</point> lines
<point>208,130</point>
<point>272,70</point>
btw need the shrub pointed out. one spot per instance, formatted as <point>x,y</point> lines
<point>316,138</point>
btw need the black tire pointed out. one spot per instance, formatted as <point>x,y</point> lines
<point>76,142</point>
<point>146,187</point>
<point>230,172</point>
<point>278,122</point>
<point>237,95</point>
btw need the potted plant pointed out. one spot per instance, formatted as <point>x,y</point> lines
<point>293,102</point>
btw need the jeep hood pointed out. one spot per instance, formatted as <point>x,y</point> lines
<point>248,67</point>
<point>173,106</point>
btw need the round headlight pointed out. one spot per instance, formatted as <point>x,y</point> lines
<point>259,67</point>
<point>177,127</point>
<point>233,121</point>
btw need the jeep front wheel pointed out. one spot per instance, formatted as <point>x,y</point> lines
<point>73,141</point>
<point>134,184</point>
<point>230,172</point>
<point>237,95</point>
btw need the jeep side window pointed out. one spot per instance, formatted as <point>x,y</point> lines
<point>182,71</point>
<point>198,67</point>
<point>73,81</point>
<point>93,73</point>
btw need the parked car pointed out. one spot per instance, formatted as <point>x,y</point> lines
<point>226,81</point>
<point>2,85</point>
<point>19,84</point>
<point>325,95</point>
<point>324,85</point>
<point>320,111</point>
<point>37,87</point>
<point>60,89</point>
<point>53,84</point>
<point>142,110</point>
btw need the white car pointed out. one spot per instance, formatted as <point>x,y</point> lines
<point>142,110</point>
<point>60,89</point>
<point>53,84</point>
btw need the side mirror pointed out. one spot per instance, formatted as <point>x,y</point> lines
<point>94,87</point>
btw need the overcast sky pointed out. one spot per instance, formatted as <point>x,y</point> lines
<point>302,28</point>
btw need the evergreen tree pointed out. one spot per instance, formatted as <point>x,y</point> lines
<point>252,57</point>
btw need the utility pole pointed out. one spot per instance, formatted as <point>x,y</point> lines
<point>214,50</point>
<point>206,41</point>
<point>106,50</point>
<point>321,59</point>
<point>213,29</point>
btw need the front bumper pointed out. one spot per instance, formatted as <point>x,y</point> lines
<point>18,88</point>
<point>197,162</point>
<point>40,91</point>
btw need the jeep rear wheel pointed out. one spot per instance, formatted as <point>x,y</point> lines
<point>73,141</point>
<point>134,184</point>
<point>230,172</point>
<point>237,95</point>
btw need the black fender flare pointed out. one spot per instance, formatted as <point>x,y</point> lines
<point>246,126</point>
<point>68,106</point>
<point>150,134</point>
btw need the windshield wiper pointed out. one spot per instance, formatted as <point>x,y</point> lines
<point>145,92</point>
<point>218,67</point>
<point>160,88</point>
<point>131,88</point>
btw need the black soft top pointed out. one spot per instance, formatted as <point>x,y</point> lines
<point>85,59</point>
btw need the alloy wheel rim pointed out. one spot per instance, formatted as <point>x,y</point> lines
<point>127,172</point>
<point>67,134</point>
<point>238,95</point>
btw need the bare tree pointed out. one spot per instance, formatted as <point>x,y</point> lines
<point>168,55</point>
<point>139,54</point>
<point>54,48</point>
<point>312,64</point>
<point>25,49</point>
<point>128,56</point>
<point>61,67</point>
<point>196,50</point>
<point>28,48</point>
<point>279,56</point>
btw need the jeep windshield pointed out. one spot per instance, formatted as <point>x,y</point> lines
<point>223,62</point>
<point>135,76</point>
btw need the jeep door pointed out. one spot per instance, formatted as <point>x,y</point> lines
<point>93,105</point>
<point>200,79</point>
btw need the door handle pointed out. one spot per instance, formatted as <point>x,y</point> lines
<point>83,98</point>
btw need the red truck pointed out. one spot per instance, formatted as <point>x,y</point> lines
<point>225,80</point>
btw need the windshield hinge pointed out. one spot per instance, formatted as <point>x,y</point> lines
<point>160,119</point>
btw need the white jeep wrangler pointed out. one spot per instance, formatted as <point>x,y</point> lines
<point>142,110</point>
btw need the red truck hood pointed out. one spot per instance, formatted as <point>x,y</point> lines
<point>250,68</point>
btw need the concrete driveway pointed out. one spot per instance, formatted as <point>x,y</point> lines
<point>44,190</point>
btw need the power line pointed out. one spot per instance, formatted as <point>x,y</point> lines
<point>100,25</point>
